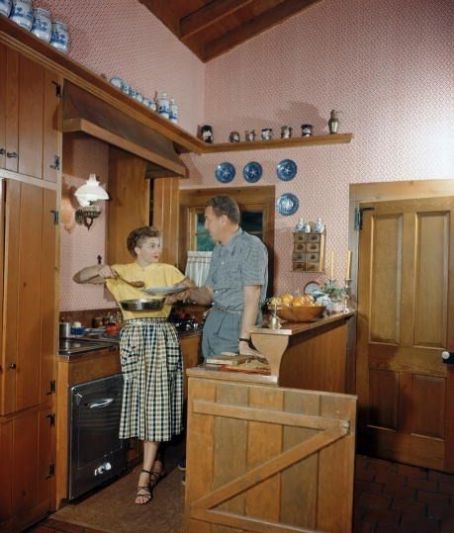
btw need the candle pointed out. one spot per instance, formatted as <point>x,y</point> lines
<point>331,268</point>
<point>348,268</point>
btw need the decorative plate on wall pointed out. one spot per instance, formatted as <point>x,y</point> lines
<point>225,172</point>
<point>287,204</point>
<point>252,172</point>
<point>286,170</point>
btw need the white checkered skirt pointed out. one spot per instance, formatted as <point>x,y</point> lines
<point>152,368</point>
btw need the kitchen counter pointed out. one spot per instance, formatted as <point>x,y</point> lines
<point>310,356</point>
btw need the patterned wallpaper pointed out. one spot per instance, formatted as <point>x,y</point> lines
<point>388,66</point>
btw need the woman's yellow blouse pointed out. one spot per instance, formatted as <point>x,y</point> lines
<point>154,275</point>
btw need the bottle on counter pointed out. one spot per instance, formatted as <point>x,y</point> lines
<point>173,111</point>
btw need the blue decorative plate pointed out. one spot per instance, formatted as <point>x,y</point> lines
<point>225,172</point>
<point>252,172</point>
<point>287,204</point>
<point>286,170</point>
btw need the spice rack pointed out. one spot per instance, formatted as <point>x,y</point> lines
<point>308,252</point>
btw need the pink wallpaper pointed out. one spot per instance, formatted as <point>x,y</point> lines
<point>388,66</point>
<point>121,37</point>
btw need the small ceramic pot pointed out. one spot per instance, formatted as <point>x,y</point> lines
<point>306,130</point>
<point>42,25</point>
<point>5,7</point>
<point>250,135</point>
<point>164,105</point>
<point>22,13</point>
<point>206,132</point>
<point>234,137</point>
<point>60,36</point>
<point>116,81</point>
<point>126,88</point>
<point>266,134</point>
<point>286,132</point>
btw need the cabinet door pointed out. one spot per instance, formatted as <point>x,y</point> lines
<point>29,336</point>
<point>29,117</point>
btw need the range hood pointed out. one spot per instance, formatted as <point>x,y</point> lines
<point>83,112</point>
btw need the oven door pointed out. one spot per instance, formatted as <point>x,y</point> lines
<point>96,453</point>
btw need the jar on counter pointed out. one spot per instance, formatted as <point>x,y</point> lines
<point>5,7</point>
<point>60,36</point>
<point>42,25</point>
<point>22,13</point>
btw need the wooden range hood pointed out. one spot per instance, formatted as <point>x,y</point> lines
<point>84,112</point>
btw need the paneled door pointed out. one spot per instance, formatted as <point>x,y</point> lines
<point>405,317</point>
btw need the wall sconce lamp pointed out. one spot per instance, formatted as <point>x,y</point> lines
<point>88,195</point>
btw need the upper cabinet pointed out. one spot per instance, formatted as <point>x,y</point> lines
<point>29,132</point>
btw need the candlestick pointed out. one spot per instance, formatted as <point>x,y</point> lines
<point>348,268</point>
<point>331,269</point>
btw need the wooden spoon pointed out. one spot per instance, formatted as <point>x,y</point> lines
<point>136,284</point>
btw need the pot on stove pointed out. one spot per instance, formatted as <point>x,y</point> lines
<point>65,329</point>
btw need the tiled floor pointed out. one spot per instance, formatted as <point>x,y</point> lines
<point>388,497</point>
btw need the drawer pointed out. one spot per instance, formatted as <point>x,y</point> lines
<point>313,237</point>
<point>300,237</point>
<point>312,247</point>
<point>299,256</point>
<point>299,266</point>
<point>313,258</point>
<point>312,267</point>
<point>299,247</point>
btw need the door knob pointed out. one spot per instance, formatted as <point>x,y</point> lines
<point>12,365</point>
<point>447,357</point>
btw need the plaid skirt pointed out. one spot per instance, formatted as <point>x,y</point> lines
<point>152,368</point>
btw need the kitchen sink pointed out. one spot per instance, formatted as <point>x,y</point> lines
<point>72,346</point>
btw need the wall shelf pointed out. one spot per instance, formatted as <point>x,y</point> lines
<point>314,140</point>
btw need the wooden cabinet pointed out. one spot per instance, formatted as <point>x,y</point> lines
<point>308,252</point>
<point>29,117</point>
<point>28,264</point>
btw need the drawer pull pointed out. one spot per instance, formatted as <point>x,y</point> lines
<point>12,155</point>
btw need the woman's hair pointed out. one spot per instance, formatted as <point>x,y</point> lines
<point>138,236</point>
<point>225,205</point>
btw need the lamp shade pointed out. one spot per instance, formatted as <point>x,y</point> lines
<point>90,192</point>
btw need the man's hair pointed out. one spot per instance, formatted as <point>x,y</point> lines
<point>138,236</point>
<point>225,205</point>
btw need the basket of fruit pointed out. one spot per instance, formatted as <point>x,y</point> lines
<point>297,308</point>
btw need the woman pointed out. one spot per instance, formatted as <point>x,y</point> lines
<point>151,359</point>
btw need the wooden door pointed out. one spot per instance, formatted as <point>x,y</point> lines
<point>2,105</point>
<point>265,458</point>
<point>405,316</point>
<point>12,110</point>
<point>29,297</point>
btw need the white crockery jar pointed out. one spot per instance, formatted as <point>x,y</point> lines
<point>42,25</point>
<point>22,13</point>
<point>5,7</point>
<point>60,36</point>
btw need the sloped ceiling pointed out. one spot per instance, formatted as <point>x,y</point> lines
<point>212,27</point>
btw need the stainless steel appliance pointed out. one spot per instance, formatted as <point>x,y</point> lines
<point>96,453</point>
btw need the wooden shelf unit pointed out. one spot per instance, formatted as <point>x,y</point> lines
<point>314,140</point>
<point>308,252</point>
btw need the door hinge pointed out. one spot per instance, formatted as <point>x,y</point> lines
<point>52,386</point>
<point>51,418</point>
<point>56,163</point>
<point>58,91</point>
<point>359,216</point>
<point>56,215</point>
<point>51,472</point>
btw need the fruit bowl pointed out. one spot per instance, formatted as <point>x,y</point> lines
<point>300,313</point>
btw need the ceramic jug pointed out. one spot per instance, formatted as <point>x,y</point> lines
<point>42,25</point>
<point>60,36</point>
<point>5,7</point>
<point>22,13</point>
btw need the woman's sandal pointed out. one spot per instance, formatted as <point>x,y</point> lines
<point>144,491</point>
<point>155,477</point>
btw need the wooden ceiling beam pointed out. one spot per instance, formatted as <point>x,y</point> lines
<point>250,29</point>
<point>163,11</point>
<point>208,15</point>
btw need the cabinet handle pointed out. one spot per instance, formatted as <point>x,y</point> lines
<point>56,164</point>
<point>2,151</point>
<point>12,155</point>
<point>12,366</point>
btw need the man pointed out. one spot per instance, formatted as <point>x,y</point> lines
<point>236,283</point>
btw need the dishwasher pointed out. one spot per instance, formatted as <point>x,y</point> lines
<point>96,454</point>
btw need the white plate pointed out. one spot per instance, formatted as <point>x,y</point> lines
<point>164,290</point>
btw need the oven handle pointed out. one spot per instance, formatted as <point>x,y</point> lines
<point>100,404</point>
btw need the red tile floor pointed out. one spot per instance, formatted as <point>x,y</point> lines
<point>388,497</point>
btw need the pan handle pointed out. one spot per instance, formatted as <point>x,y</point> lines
<point>100,404</point>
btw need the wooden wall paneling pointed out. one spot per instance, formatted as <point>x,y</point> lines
<point>48,283</point>
<point>129,202</point>
<point>46,458</point>
<point>264,441</point>
<point>166,215</point>
<point>429,399</point>
<point>231,444</point>
<point>12,110</point>
<point>7,469</point>
<point>335,500</point>
<point>29,333</point>
<point>62,434</point>
<point>200,452</point>
<point>11,294</point>
<point>2,105</point>
<point>384,398</point>
<point>31,99</point>
<point>301,478</point>
<point>190,348</point>
<point>51,127</point>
